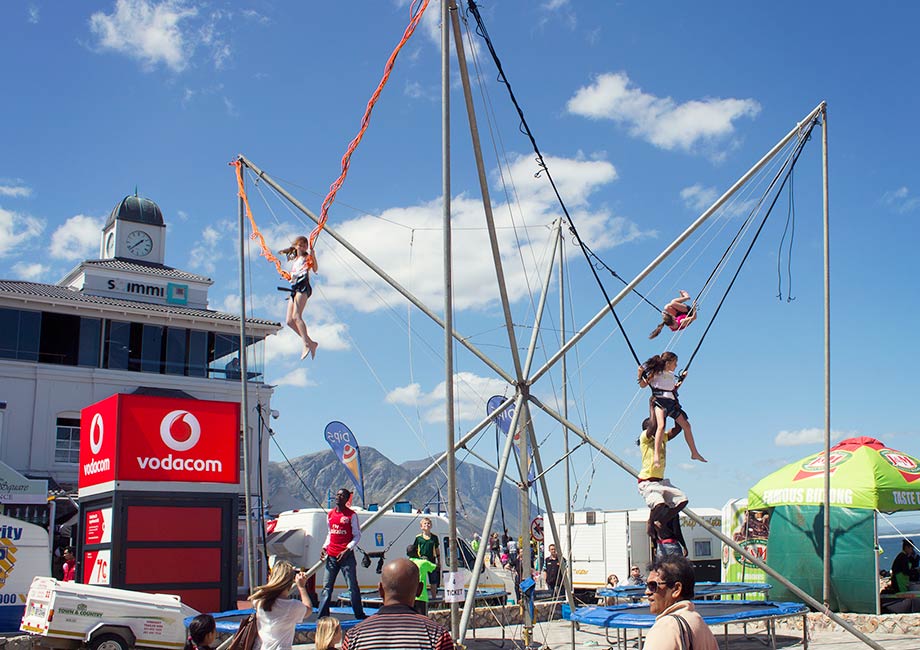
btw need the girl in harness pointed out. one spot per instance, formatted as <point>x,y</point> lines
<point>658,373</point>
<point>303,260</point>
<point>676,315</point>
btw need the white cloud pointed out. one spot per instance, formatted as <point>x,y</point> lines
<point>15,191</point>
<point>77,238</point>
<point>35,272</point>
<point>808,436</point>
<point>255,16</point>
<point>297,377</point>
<point>415,90</point>
<point>418,265</point>
<point>33,14</point>
<point>203,256</point>
<point>901,200</point>
<point>287,346</point>
<point>698,198</point>
<point>659,120</point>
<point>146,30</point>
<point>230,107</point>
<point>17,229</point>
<point>471,392</point>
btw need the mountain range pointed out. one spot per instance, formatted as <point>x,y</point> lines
<point>312,479</point>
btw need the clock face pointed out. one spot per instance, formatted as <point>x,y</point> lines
<point>110,244</point>
<point>139,243</point>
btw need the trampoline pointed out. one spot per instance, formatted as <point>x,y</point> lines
<point>702,590</point>
<point>714,612</point>
<point>229,621</point>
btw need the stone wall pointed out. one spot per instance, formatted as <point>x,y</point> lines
<point>868,623</point>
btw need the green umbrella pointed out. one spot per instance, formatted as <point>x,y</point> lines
<point>864,474</point>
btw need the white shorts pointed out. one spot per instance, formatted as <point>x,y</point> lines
<point>658,492</point>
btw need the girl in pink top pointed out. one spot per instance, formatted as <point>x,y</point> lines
<point>676,315</point>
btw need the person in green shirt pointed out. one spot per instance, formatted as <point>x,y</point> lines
<point>425,567</point>
<point>427,547</point>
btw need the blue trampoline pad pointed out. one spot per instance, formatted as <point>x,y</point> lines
<point>701,589</point>
<point>714,612</point>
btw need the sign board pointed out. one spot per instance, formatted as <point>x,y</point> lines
<point>16,488</point>
<point>98,529</point>
<point>98,564</point>
<point>159,439</point>
<point>454,589</point>
<point>536,529</point>
<point>23,555</point>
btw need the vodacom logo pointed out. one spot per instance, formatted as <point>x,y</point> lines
<point>96,431</point>
<point>185,437</point>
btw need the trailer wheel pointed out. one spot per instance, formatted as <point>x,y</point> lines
<point>108,642</point>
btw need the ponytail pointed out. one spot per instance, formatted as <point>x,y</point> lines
<point>198,630</point>
<point>657,330</point>
<point>289,252</point>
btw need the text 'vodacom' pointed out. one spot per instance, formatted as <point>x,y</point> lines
<point>180,431</point>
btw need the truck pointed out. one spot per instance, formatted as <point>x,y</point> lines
<point>67,615</point>
<point>298,537</point>
<point>608,542</point>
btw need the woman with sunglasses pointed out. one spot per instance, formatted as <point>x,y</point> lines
<point>669,589</point>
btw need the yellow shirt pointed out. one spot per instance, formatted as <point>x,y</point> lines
<point>647,446</point>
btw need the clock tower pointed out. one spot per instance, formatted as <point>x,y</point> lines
<point>135,231</point>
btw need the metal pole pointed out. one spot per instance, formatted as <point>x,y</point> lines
<point>484,190</point>
<point>524,551</point>
<point>827,367</point>
<point>448,306</point>
<point>806,598</point>
<point>244,404</point>
<point>376,269</point>
<point>672,246</point>
<point>490,513</point>
<point>567,558</point>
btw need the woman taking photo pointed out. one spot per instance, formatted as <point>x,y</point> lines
<point>276,614</point>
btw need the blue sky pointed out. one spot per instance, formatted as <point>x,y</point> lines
<point>645,111</point>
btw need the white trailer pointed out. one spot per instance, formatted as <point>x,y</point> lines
<point>68,615</point>
<point>298,538</point>
<point>611,541</point>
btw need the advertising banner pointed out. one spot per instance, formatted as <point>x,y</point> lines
<point>98,529</point>
<point>345,446</point>
<point>97,564</point>
<point>146,438</point>
<point>23,555</point>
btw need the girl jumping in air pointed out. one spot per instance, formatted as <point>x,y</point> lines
<point>658,373</point>
<point>303,260</point>
<point>676,315</point>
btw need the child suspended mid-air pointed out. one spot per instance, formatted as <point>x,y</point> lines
<point>676,315</point>
<point>303,260</point>
<point>658,373</point>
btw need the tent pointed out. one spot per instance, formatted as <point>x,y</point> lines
<point>866,477</point>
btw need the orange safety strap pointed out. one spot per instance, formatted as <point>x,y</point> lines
<point>365,122</point>
<point>266,251</point>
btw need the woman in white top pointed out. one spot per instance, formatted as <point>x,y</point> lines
<point>276,614</point>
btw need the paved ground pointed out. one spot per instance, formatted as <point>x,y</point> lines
<point>557,634</point>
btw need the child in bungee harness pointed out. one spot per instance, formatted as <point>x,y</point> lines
<point>676,315</point>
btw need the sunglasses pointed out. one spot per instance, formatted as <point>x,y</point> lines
<point>654,585</point>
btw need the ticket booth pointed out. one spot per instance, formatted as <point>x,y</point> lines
<point>158,488</point>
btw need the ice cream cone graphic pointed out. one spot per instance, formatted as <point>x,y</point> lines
<point>351,460</point>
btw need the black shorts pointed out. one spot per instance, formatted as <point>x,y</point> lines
<point>302,286</point>
<point>671,407</point>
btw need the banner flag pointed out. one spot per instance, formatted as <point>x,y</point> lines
<point>503,420</point>
<point>345,446</point>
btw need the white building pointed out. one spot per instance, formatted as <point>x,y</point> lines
<point>123,323</point>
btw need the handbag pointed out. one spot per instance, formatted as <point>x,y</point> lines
<point>246,634</point>
<point>686,634</point>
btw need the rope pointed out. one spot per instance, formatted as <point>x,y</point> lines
<point>365,122</point>
<point>541,163</point>
<point>266,251</point>
<point>798,151</point>
<point>790,220</point>
<point>616,275</point>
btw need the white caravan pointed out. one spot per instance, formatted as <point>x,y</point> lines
<point>611,541</point>
<point>68,615</point>
<point>298,538</point>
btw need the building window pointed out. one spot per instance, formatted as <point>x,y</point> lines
<point>19,334</point>
<point>58,343</point>
<point>117,344</point>
<point>702,548</point>
<point>67,441</point>
<point>176,345</point>
<point>197,354</point>
<point>90,342</point>
<point>152,351</point>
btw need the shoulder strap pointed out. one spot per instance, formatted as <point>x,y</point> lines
<point>686,634</point>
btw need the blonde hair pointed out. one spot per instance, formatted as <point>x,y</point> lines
<point>279,584</point>
<point>327,629</point>
<point>291,251</point>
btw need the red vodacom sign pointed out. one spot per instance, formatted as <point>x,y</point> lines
<point>148,438</point>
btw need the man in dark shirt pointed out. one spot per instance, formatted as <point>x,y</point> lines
<point>551,569</point>
<point>396,624</point>
<point>904,564</point>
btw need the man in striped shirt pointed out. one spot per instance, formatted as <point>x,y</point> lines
<point>396,624</point>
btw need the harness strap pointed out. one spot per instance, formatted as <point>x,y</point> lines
<point>686,634</point>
